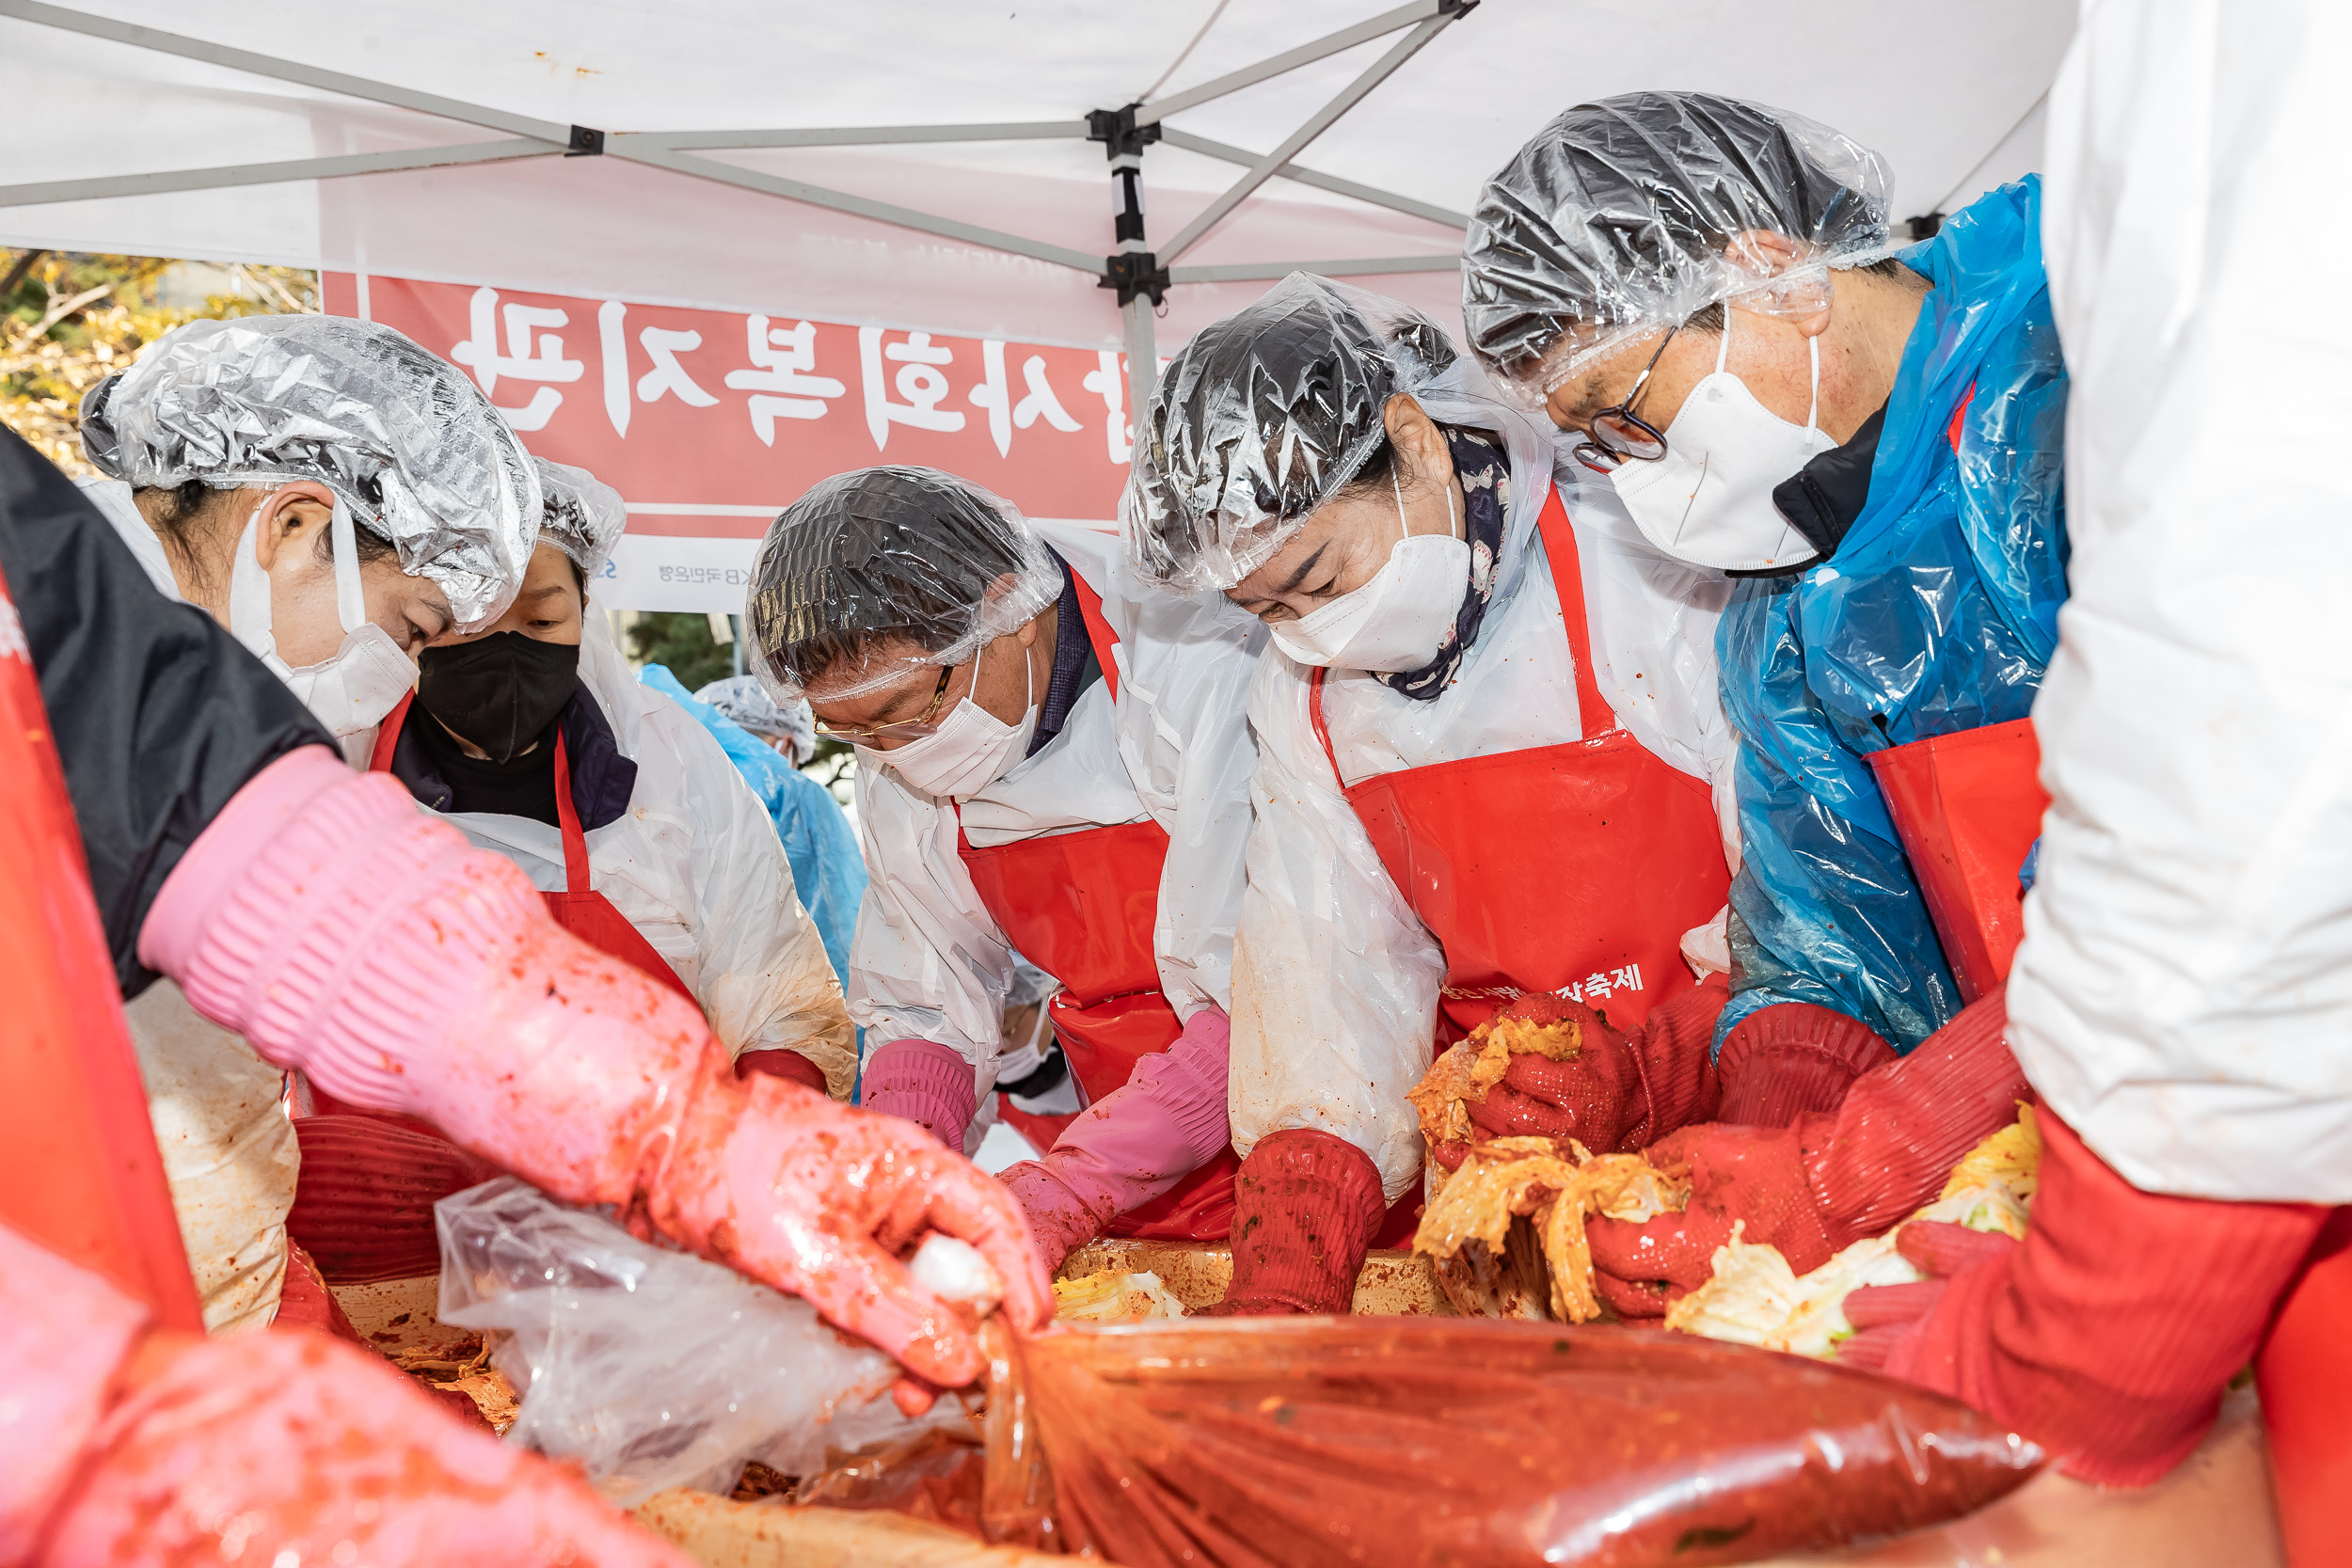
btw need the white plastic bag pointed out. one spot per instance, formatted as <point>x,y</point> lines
<point>652,1368</point>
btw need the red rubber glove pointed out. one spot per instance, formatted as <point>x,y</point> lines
<point>1132,1145</point>
<point>1780,1062</point>
<point>790,1066</point>
<point>363,1207</point>
<point>128,1448</point>
<point>1305,1207</point>
<point>338,930</point>
<point>2109,1334</point>
<point>1887,1318</point>
<point>1826,1182</point>
<point>1620,1091</point>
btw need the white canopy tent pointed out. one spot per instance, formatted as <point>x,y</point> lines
<point>1040,170</point>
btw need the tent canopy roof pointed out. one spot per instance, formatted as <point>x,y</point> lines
<point>1428,134</point>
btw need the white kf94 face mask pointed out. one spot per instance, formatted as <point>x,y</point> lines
<point>972,748</point>
<point>369,673</point>
<point>1710,499</point>
<point>1399,619</point>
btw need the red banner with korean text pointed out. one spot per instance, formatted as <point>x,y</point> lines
<point>709,422</point>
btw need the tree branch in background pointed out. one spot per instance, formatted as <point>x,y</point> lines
<point>72,304</point>
<point>68,320</point>
<point>16,274</point>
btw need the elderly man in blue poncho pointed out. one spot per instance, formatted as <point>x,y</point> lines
<point>1707,299</point>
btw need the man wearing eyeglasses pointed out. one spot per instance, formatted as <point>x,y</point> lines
<point>1706,298</point>
<point>1050,768</point>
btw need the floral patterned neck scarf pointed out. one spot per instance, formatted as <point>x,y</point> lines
<point>1486,479</point>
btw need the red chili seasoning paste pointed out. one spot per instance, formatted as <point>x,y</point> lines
<point>1287,1443</point>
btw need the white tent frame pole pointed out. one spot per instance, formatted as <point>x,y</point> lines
<point>541,139</point>
<point>848,136</point>
<point>1371,195</point>
<point>1250,271</point>
<point>1289,60</point>
<point>285,70</point>
<point>1143,358</point>
<point>541,131</point>
<point>226,175</point>
<point>1033,130</point>
<point>1320,122</point>
<point>857,206</point>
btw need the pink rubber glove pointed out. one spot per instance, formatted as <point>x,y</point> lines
<point>1781,1062</point>
<point>342,931</point>
<point>1132,1145</point>
<point>63,1331</point>
<point>135,1450</point>
<point>924,1083</point>
<point>1827,1182</point>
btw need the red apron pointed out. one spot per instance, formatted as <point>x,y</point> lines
<point>1968,806</point>
<point>83,1177</point>
<point>1573,869</point>
<point>1081,907</point>
<point>580,908</point>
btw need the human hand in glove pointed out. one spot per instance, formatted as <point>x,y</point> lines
<point>270,1448</point>
<point>1818,1186</point>
<point>924,1083</point>
<point>1132,1145</point>
<point>1306,1206</point>
<point>342,931</point>
<point>1619,1091</point>
<point>790,1066</point>
<point>1780,1062</point>
<point>2110,1333</point>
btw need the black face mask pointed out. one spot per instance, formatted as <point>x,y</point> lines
<point>499,691</point>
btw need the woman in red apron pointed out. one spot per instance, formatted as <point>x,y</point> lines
<point>1047,769</point>
<point>687,881</point>
<point>1449,815</point>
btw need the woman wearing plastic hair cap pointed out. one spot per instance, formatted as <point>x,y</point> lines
<point>1875,447</point>
<point>336,497</point>
<point>197,817</point>
<point>1048,761</point>
<point>1464,800</point>
<point>328,490</point>
<point>535,739</point>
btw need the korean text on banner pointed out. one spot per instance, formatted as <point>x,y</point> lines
<point>709,422</point>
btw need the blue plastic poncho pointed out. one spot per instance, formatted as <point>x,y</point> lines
<point>827,870</point>
<point>1937,613</point>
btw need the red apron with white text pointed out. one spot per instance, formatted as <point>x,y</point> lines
<point>1081,907</point>
<point>1572,869</point>
<point>580,908</point>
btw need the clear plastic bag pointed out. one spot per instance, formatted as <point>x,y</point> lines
<point>652,1368</point>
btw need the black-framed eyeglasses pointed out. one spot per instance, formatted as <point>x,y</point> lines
<point>1618,434</point>
<point>904,729</point>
